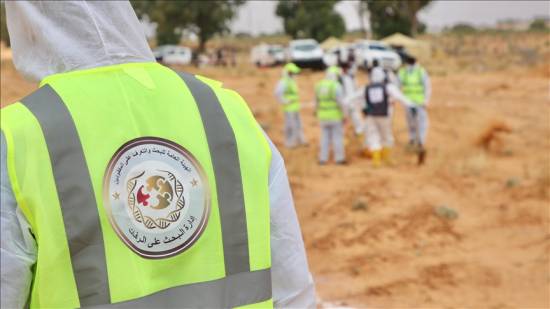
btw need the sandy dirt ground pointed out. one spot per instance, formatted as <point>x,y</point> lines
<point>378,238</point>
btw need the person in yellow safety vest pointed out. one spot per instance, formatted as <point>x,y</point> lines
<point>416,86</point>
<point>125,184</point>
<point>378,110</point>
<point>329,108</point>
<point>286,93</point>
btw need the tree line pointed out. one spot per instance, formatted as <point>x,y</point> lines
<point>301,18</point>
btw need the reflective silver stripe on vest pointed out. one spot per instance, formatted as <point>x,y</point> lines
<point>233,291</point>
<point>76,195</point>
<point>227,170</point>
<point>81,218</point>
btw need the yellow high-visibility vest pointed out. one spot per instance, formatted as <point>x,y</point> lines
<point>411,82</point>
<point>328,108</point>
<point>143,187</point>
<point>291,95</point>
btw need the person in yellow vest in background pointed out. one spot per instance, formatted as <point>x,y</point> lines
<point>378,110</point>
<point>416,86</point>
<point>329,108</point>
<point>125,184</point>
<point>286,93</point>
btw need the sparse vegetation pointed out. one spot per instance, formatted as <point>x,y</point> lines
<point>300,22</point>
<point>360,204</point>
<point>462,28</point>
<point>4,36</point>
<point>203,18</point>
<point>390,16</point>
<point>538,24</point>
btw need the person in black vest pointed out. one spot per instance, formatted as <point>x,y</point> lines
<point>378,111</point>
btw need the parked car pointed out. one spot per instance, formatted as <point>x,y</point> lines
<point>367,51</point>
<point>173,54</point>
<point>337,55</point>
<point>267,55</point>
<point>306,53</point>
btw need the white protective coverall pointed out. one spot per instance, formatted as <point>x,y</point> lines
<point>349,86</point>
<point>378,129</point>
<point>332,131</point>
<point>389,76</point>
<point>58,36</point>
<point>294,131</point>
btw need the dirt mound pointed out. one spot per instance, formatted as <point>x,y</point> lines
<point>490,137</point>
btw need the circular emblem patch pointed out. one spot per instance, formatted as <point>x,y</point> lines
<point>157,197</point>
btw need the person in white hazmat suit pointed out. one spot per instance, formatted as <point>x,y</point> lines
<point>287,94</point>
<point>378,111</point>
<point>389,75</point>
<point>330,112</point>
<point>53,37</point>
<point>349,87</point>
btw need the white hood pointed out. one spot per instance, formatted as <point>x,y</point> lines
<point>49,37</point>
<point>377,75</point>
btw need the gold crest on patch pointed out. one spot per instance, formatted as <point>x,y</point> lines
<point>157,197</point>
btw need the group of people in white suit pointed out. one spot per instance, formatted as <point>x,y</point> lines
<point>369,107</point>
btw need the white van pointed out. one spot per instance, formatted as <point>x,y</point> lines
<point>306,53</point>
<point>173,54</point>
<point>367,51</point>
<point>264,55</point>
